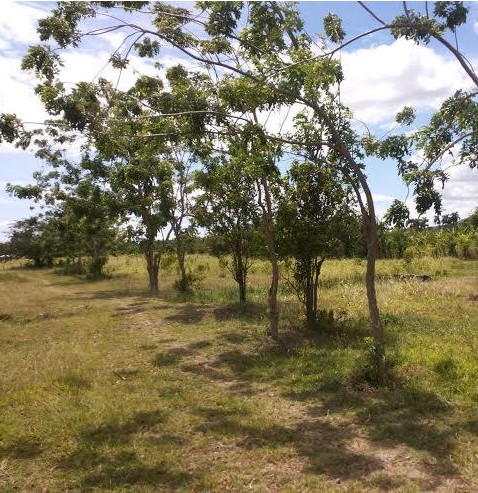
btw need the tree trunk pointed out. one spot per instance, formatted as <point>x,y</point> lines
<point>267,221</point>
<point>181,254</point>
<point>242,291</point>
<point>152,263</point>
<point>311,314</point>
<point>311,294</point>
<point>377,327</point>
<point>241,276</point>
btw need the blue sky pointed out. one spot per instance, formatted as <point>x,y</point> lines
<point>381,76</point>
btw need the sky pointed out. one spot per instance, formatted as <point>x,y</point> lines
<point>382,75</point>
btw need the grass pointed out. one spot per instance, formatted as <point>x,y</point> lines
<point>106,388</point>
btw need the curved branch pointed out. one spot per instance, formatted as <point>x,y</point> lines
<point>448,148</point>
<point>375,16</point>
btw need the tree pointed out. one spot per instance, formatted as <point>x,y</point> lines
<point>450,220</point>
<point>87,226</point>
<point>311,217</point>
<point>452,131</point>
<point>138,170</point>
<point>397,215</point>
<point>472,219</point>
<point>227,208</point>
<point>29,239</point>
<point>272,62</point>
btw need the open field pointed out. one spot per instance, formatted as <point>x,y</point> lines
<point>103,387</point>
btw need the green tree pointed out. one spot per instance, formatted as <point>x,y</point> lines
<point>472,219</point>
<point>312,215</point>
<point>228,210</point>
<point>38,238</point>
<point>272,63</point>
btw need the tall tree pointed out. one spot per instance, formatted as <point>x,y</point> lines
<point>264,46</point>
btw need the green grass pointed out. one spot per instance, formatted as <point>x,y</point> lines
<point>104,387</point>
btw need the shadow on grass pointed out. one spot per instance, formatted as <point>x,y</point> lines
<point>174,355</point>
<point>188,314</point>
<point>250,311</point>
<point>105,456</point>
<point>22,448</point>
<point>324,445</point>
<point>324,375</point>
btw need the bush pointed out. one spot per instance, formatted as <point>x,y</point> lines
<point>95,266</point>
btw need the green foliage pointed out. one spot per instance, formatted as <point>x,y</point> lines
<point>333,28</point>
<point>95,267</point>
<point>228,210</point>
<point>397,215</point>
<point>223,17</point>
<point>28,240</point>
<point>191,281</point>
<point>43,61</point>
<point>406,116</point>
<point>416,27</point>
<point>62,24</point>
<point>312,214</point>
<point>147,48</point>
<point>454,13</point>
<point>10,126</point>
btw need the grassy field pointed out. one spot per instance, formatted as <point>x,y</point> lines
<point>103,387</point>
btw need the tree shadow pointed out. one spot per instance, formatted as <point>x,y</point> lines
<point>188,314</point>
<point>323,445</point>
<point>140,295</point>
<point>22,448</point>
<point>174,355</point>
<point>398,417</point>
<point>104,457</point>
<point>250,311</point>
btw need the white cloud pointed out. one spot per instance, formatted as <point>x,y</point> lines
<point>5,229</point>
<point>461,191</point>
<point>18,23</point>
<point>380,80</point>
<point>17,91</point>
<point>381,203</point>
<point>475,27</point>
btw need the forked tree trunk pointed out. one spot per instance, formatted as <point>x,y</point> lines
<point>240,276</point>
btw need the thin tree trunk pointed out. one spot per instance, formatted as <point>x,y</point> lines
<point>268,225</point>
<point>242,291</point>
<point>181,254</point>
<point>311,314</point>
<point>315,274</point>
<point>241,277</point>
<point>377,327</point>
<point>370,229</point>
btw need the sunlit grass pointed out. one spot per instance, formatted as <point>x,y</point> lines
<point>104,387</point>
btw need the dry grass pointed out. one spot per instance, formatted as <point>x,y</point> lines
<point>106,388</point>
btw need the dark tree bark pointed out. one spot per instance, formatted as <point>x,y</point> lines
<point>152,263</point>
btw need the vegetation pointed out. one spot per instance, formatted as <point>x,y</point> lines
<point>178,387</point>
<point>106,387</point>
